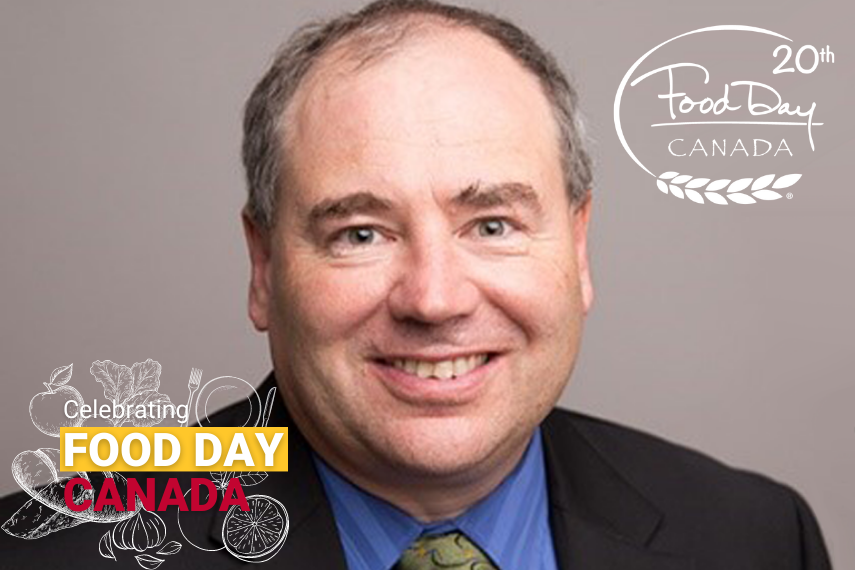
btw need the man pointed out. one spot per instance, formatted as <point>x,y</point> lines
<point>417,222</point>
<point>420,265</point>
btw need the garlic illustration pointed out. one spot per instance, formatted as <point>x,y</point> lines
<point>140,532</point>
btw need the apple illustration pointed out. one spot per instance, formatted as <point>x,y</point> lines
<point>47,409</point>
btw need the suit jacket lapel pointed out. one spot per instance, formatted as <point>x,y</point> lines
<point>599,520</point>
<point>313,540</point>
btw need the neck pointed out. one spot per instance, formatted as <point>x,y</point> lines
<point>426,496</point>
<point>433,498</point>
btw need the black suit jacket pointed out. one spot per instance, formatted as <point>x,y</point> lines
<point>618,499</point>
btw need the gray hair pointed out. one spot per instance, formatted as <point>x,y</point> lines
<point>381,26</point>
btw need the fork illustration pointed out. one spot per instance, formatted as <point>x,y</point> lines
<point>192,385</point>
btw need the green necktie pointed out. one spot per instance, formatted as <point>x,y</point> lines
<point>452,550</point>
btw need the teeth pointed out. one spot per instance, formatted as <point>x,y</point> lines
<point>442,370</point>
<point>424,369</point>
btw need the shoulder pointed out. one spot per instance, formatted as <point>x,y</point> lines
<point>653,464</point>
<point>701,500</point>
<point>663,471</point>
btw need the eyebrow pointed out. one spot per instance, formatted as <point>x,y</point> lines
<point>475,196</point>
<point>481,197</point>
<point>350,205</point>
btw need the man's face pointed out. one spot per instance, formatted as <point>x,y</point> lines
<point>425,284</point>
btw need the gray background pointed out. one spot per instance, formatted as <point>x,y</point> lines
<point>728,331</point>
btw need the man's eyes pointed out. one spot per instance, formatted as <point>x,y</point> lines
<point>356,238</point>
<point>362,235</point>
<point>493,227</point>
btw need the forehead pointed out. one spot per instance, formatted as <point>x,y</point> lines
<point>449,106</point>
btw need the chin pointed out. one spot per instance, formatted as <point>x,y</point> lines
<point>442,447</point>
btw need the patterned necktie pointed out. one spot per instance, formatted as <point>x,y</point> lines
<point>444,551</point>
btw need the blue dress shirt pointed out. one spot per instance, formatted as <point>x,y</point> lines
<point>511,524</point>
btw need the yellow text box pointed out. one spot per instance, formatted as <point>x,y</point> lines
<point>122,449</point>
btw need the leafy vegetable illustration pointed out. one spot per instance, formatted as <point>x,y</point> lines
<point>128,388</point>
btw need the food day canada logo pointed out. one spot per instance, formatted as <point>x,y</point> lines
<point>724,114</point>
<point>81,481</point>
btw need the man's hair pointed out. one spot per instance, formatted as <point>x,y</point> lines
<point>379,28</point>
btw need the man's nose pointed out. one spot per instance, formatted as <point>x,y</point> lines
<point>433,284</point>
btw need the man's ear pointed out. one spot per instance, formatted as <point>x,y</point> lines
<point>258,242</point>
<point>581,217</point>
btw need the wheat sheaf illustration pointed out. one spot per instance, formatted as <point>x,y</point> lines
<point>696,188</point>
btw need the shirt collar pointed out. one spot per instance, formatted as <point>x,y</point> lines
<point>511,524</point>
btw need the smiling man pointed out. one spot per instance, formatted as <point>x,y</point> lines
<point>419,198</point>
<point>424,276</point>
<point>419,201</point>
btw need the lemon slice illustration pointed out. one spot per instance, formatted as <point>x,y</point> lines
<point>258,534</point>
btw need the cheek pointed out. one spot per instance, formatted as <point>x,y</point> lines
<point>540,293</point>
<point>325,305</point>
<point>321,317</point>
<point>543,300</point>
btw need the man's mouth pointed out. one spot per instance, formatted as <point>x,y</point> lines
<point>436,379</point>
<point>439,369</point>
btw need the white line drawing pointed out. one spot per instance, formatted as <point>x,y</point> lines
<point>690,191</point>
<point>221,478</point>
<point>148,561</point>
<point>247,478</point>
<point>47,409</point>
<point>226,389</point>
<point>635,65</point>
<point>190,514</point>
<point>775,123</point>
<point>734,189</point>
<point>142,531</point>
<point>268,406</point>
<point>105,546</point>
<point>132,391</point>
<point>258,534</point>
<point>32,469</point>
<point>37,473</point>
<point>202,499</point>
<point>192,386</point>
<point>254,536</point>
<point>35,520</point>
<point>170,547</point>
